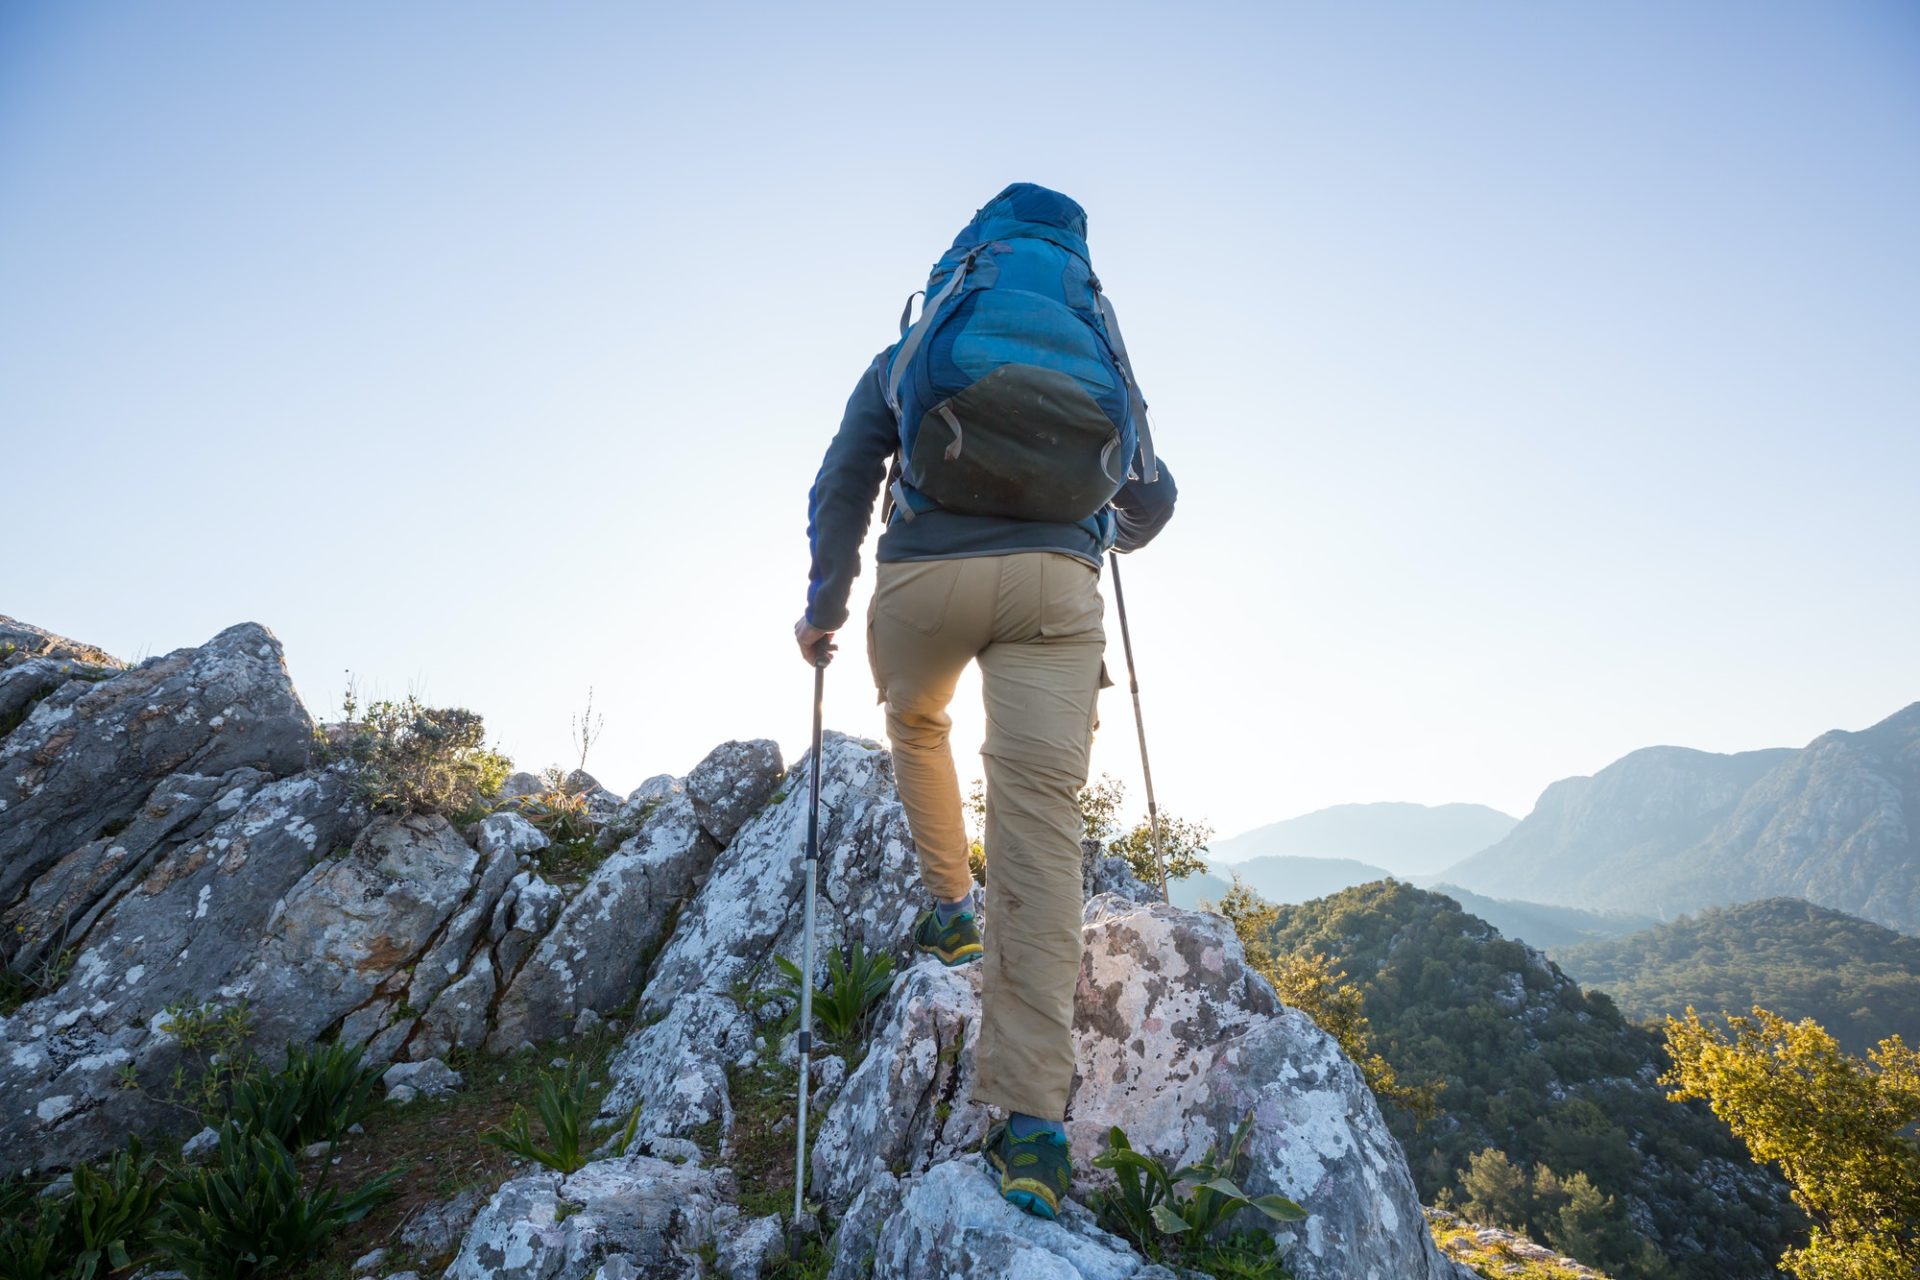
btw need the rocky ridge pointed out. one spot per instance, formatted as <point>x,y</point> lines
<point>169,849</point>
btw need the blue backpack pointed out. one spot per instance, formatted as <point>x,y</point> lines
<point>1012,390</point>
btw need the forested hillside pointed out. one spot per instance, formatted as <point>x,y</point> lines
<point>1550,1075</point>
<point>1858,980</point>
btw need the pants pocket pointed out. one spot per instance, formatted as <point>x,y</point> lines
<point>916,595</point>
<point>1070,603</point>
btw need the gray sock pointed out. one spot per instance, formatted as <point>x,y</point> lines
<point>947,911</point>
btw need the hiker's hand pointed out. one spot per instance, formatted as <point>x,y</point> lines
<point>814,643</point>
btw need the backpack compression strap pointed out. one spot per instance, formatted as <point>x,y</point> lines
<point>910,339</point>
<point>1149,469</point>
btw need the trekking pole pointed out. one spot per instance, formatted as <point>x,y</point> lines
<point>822,655</point>
<point>1140,729</point>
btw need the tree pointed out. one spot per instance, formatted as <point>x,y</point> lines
<point>1496,1190</point>
<point>1308,982</point>
<point>1837,1126</point>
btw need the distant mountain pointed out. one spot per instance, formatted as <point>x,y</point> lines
<point>1281,880</point>
<point>1666,830</point>
<point>1405,839</point>
<point>1856,979</point>
<point>1540,925</point>
<point>1191,891</point>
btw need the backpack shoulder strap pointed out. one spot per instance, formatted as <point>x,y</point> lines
<point>1149,469</point>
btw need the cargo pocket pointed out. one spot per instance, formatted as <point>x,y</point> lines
<point>1070,603</point>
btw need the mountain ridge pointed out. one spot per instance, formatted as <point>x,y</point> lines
<point>1665,830</point>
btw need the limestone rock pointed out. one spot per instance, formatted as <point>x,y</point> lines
<point>676,1069</point>
<point>63,902</point>
<point>435,1231</point>
<point>431,1077</point>
<point>749,909</point>
<point>649,1215</point>
<point>909,1103</point>
<point>187,935</point>
<point>509,833</point>
<point>951,1224</point>
<point>21,642</point>
<point>355,922</point>
<point>91,751</point>
<point>592,958</point>
<point>749,1247</point>
<point>731,783</point>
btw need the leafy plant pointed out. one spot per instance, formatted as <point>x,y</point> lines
<point>856,979</point>
<point>319,1094</point>
<point>249,1213</point>
<point>104,1224</point>
<point>1147,1204</point>
<point>562,1103</point>
<point>217,1034</point>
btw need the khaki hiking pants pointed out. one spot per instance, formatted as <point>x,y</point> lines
<point>1033,621</point>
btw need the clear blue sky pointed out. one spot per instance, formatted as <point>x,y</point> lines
<point>1542,380</point>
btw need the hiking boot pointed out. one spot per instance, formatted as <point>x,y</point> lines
<point>1034,1171</point>
<point>955,942</point>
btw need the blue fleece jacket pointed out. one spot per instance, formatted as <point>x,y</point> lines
<point>851,478</point>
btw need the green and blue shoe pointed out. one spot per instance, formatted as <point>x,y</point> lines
<point>953,943</point>
<point>1034,1171</point>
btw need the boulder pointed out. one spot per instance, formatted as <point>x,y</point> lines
<point>951,1224</point>
<point>510,833</point>
<point>91,750</point>
<point>637,1216</point>
<point>731,783</point>
<point>431,1077</point>
<point>22,642</point>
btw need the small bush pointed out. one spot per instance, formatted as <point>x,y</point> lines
<point>562,1102</point>
<point>319,1094</point>
<point>1160,1211</point>
<point>249,1213</point>
<point>856,979</point>
<point>412,758</point>
<point>104,1225</point>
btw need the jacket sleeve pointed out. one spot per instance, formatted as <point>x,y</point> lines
<point>841,504</point>
<point>1142,510</point>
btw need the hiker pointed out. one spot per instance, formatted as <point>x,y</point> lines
<point>1019,456</point>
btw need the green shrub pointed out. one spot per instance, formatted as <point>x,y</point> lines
<point>562,1102</point>
<point>248,1213</point>
<point>412,758</point>
<point>1158,1210</point>
<point>105,1224</point>
<point>319,1094</point>
<point>856,979</point>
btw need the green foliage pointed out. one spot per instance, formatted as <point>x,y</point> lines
<point>319,1094</point>
<point>1101,803</point>
<point>1177,1212</point>
<point>856,979</point>
<point>1839,1128</point>
<point>1857,980</point>
<point>17,986</point>
<point>412,758</point>
<point>248,1213</point>
<point>563,1101</point>
<point>1307,981</point>
<point>104,1225</point>
<point>216,1035</point>
<point>1548,1074</point>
